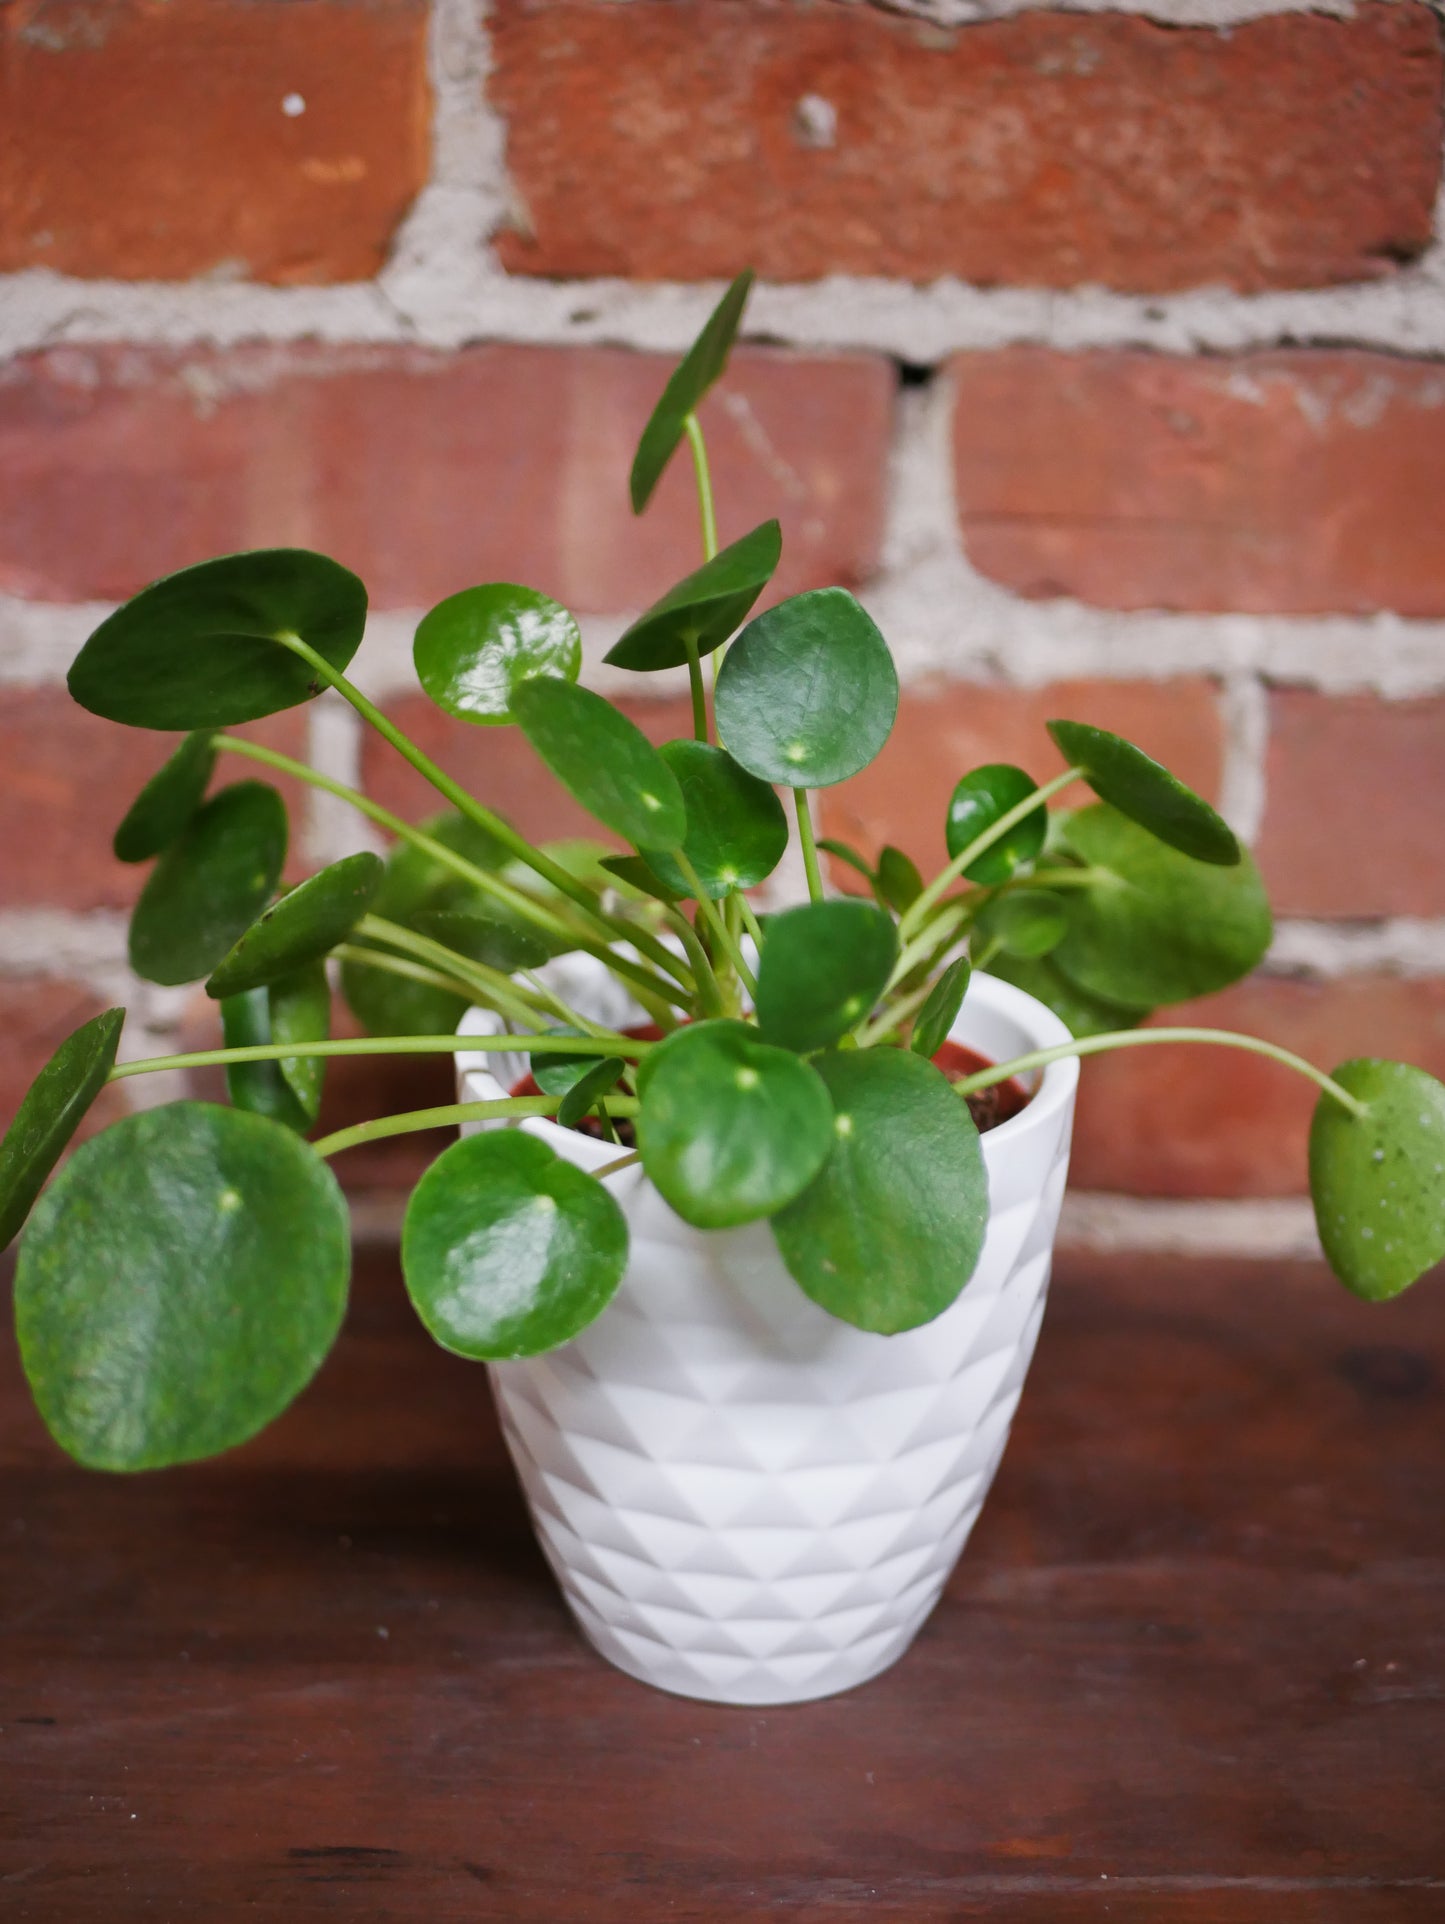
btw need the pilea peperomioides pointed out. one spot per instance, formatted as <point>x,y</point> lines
<point>183,1276</point>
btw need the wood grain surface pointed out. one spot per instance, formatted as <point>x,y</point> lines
<point>1191,1669</point>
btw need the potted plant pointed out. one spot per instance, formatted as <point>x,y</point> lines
<point>755,1249</point>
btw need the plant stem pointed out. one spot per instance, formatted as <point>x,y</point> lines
<point>399,965</point>
<point>889,1021</point>
<point>717,928</point>
<point>980,844</point>
<point>390,1045</point>
<point>929,942</point>
<point>611,1168</point>
<point>513,1001</point>
<point>447,1115</point>
<point>704,486</point>
<point>750,921</point>
<point>695,681</point>
<point>810,851</point>
<point>1142,1038</point>
<point>708,988</point>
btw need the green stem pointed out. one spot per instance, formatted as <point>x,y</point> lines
<point>447,1115</point>
<point>1142,1038</point>
<point>515,1002</point>
<point>810,850</point>
<point>708,988</point>
<point>611,1168</point>
<point>980,844</point>
<point>750,921</point>
<point>889,1022</point>
<point>408,971</point>
<point>704,485</point>
<point>717,928</point>
<point>390,1045</point>
<point>699,693</point>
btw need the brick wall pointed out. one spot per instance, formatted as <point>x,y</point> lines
<point>1103,352</point>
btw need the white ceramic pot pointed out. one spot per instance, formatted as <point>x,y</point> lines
<point>743,1499</point>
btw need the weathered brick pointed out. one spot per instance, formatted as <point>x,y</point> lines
<point>426,472</point>
<point>668,141</point>
<point>68,779</point>
<point>1280,483</point>
<point>240,139</point>
<point>944,731</point>
<point>40,1013</point>
<point>1354,804</point>
<point>1196,1121</point>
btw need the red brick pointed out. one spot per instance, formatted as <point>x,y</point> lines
<point>39,1015</point>
<point>426,472</point>
<point>68,779</point>
<point>667,141</point>
<point>1282,483</point>
<point>944,731</point>
<point>1354,807</point>
<point>150,141</point>
<point>1183,1121</point>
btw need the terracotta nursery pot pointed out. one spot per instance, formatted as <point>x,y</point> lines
<point>744,1499</point>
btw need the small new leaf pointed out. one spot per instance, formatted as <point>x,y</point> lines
<point>209,886</point>
<point>162,811</point>
<point>705,608</point>
<point>53,1109</point>
<point>700,367</point>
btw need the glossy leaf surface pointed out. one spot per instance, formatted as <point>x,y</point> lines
<point>588,1090</point>
<point>1145,791</point>
<point>164,807</point>
<point>889,1233</point>
<point>736,828</point>
<point>480,938</point>
<point>808,692</point>
<point>702,365</point>
<point>940,1011</point>
<point>210,886</point>
<point>731,1128</point>
<point>473,648</point>
<point>508,1250</point>
<point>899,881</point>
<point>1158,927</point>
<point>53,1108</point>
<point>294,1008</point>
<point>983,797</point>
<point>707,606</point>
<point>1378,1180</point>
<point>823,967</point>
<point>555,1074</point>
<point>198,649</point>
<point>1081,1013</point>
<point>305,924</point>
<point>603,760</point>
<point>180,1284</point>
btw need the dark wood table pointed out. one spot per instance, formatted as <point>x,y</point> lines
<point>1191,1668</point>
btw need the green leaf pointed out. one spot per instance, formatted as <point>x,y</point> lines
<point>199,650</point>
<point>844,852</point>
<point>53,1108</point>
<point>1027,922</point>
<point>305,924</point>
<point>179,1285</point>
<point>481,938</point>
<point>1081,1013</point>
<point>1137,785</point>
<point>889,1233</point>
<point>822,969</point>
<point>639,875</point>
<point>603,760</point>
<point>730,1129</point>
<point>702,365</point>
<point>940,1011</point>
<point>554,1075</point>
<point>294,1008</point>
<point>508,1250</point>
<point>588,1090</point>
<point>1158,927</point>
<point>1378,1180</point>
<point>473,648</point>
<point>807,693</point>
<point>707,606</point>
<point>736,828</point>
<point>164,807</point>
<point>899,879</point>
<point>982,798</point>
<point>209,887</point>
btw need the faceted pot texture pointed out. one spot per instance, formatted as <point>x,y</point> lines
<point>743,1499</point>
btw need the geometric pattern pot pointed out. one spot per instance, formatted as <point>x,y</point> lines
<point>743,1499</point>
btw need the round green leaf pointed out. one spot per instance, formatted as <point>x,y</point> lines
<point>603,760</point>
<point>700,367</point>
<point>898,879</point>
<point>294,1008</point>
<point>982,798</point>
<point>1027,922</point>
<point>53,1108</point>
<point>889,1233</point>
<point>588,1090</point>
<point>210,885</point>
<point>736,828</point>
<point>164,807</point>
<point>730,1129</point>
<point>1137,785</point>
<point>179,1285</point>
<point>940,1011</point>
<point>1378,1180</point>
<point>1081,1013</point>
<point>473,647</point>
<point>480,938</point>
<point>508,1250</point>
<point>706,607</point>
<point>807,693</point>
<point>306,923</point>
<point>199,649</point>
<point>823,966</point>
<point>1158,926</point>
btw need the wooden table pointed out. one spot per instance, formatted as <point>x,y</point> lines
<point>1192,1667</point>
